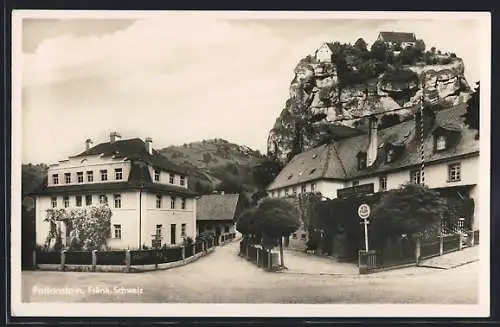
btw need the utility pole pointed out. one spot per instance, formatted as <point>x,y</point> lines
<point>422,136</point>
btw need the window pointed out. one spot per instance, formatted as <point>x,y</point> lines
<point>440,142</point>
<point>183,230</point>
<point>55,179</point>
<point>103,199</point>
<point>118,200</point>
<point>294,191</point>
<point>286,191</point>
<point>171,179</point>
<point>78,200</point>
<point>53,200</point>
<point>390,155</point>
<point>66,201</point>
<point>303,189</point>
<point>382,183</point>
<point>302,236</point>
<point>279,193</point>
<point>88,200</point>
<point>183,203</point>
<point>67,178</point>
<point>361,160</point>
<point>159,230</point>
<point>118,174</point>
<point>158,201</point>
<point>415,176</point>
<point>172,203</point>
<point>79,176</point>
<point>313,187</point>
<point>90,176</point>
<point>294,236</point>
<point>183,180</point>
<point>290,176</point>
<point>226,229</point>
<point>454,172</point>
<point>312,171</point>
<point>355,183</point>
<point>157,175</point>
<point>104,175</point>
<point>118,231</point>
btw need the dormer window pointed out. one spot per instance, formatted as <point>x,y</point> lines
<point>361,160</point>
<point>390,155</point>
<point>440,142</point>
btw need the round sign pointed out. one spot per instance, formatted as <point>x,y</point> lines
<point>364,211</point>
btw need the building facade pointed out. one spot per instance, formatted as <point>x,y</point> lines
<point>387,158</point>
<point>217,213</point>
<point>147,194</point>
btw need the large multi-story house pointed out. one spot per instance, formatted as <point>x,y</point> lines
<point>147,194</point>
<point>384,159</point>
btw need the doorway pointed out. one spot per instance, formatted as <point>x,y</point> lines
<point>172,234</point>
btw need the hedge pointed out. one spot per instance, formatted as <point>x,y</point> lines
<point>111,258</point>
<point>78,258</point>
<point>48,257</point>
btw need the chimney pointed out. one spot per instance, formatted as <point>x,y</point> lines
<point>114,136</point>
<point>88,144</point>
<point>371,153</point>
<point>149,145</point>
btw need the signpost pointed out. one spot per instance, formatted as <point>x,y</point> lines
<point>363,213</point>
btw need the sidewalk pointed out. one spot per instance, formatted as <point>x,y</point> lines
<point>303,263</point>
<point>453,259</point>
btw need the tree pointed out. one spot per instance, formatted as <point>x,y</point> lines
<point>360,45</point>
<point>276,218</point>
<point>409,210</point>
<point>471,116</point>
<point>420,46</point>
<point>245,222</point>
<point>378,50</point>
<point>265,172</point>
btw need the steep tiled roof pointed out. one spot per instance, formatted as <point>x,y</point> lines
<point>133,149</point>
<point>338,159</point>
<point>398,37</point>
<point>217,207</point>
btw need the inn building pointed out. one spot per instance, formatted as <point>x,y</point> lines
<point>384,159</point>
<point>147,194</point>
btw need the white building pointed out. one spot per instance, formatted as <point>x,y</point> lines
<point>401,38</point>
<point>325,52</point>
<point>146,193</point>
<point>390,157</point>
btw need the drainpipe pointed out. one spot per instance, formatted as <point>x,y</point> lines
<point>140,216</point>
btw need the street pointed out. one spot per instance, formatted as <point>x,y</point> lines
<point>224,277</point>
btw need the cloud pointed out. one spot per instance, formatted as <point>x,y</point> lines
<point>177,79</point>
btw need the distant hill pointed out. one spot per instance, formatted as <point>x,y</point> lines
<point>216,164</point>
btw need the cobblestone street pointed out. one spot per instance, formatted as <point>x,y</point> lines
<point>224,277</point>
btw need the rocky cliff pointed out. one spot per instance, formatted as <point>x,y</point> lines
<point>327,98</point>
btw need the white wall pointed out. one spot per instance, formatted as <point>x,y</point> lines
<point>165,216</point>
<point>128,217</point>
<point>324,54</point>
<point>165,177</point>
<point>90,163</point>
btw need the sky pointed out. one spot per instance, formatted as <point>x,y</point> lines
<point>180,79</point>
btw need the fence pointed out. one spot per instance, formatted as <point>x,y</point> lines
<point>372,261</point>
<point>121,258</point>
<point>259,256</point>
<point>227,237</point>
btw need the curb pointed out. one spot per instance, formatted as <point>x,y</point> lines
<point>450,267</point>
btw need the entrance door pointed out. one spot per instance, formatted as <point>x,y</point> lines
<point>217,235</point>
<point>172,234</point>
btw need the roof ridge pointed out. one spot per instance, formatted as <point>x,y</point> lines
<point>340,160</point>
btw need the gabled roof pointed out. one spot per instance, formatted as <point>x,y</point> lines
<point>398,37</point>
<point>338,160</point>
<point>135,150</point>
<point>217,207</point>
